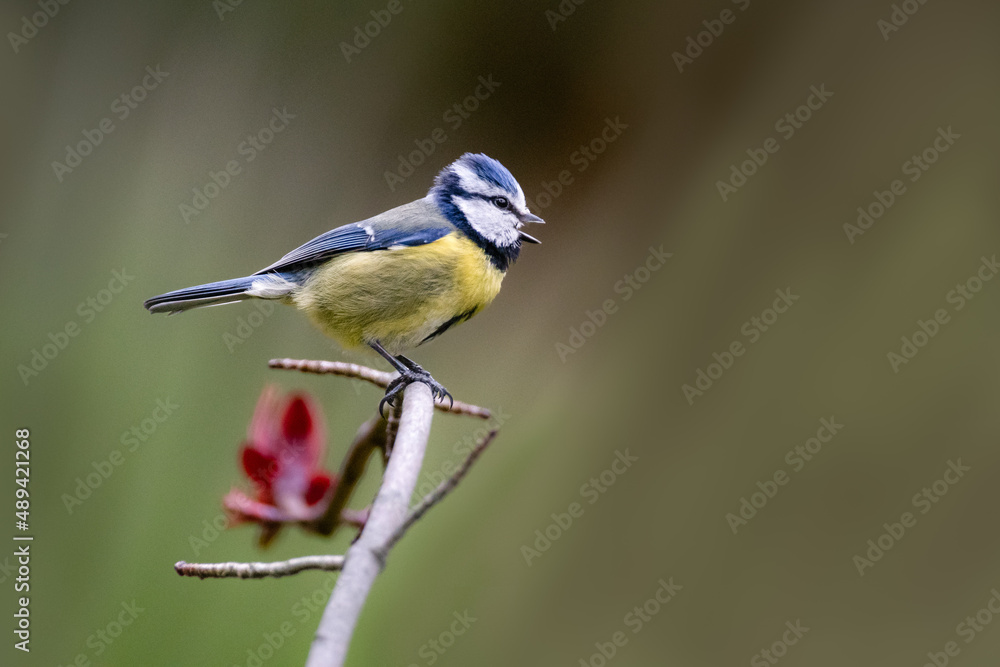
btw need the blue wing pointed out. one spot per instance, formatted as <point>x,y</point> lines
<point>408,225</point>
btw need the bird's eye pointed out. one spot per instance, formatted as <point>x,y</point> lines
<point>501,202</point>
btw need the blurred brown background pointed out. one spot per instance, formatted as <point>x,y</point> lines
<point>567,416</point>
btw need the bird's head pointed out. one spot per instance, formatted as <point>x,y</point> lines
<point>480,197</point>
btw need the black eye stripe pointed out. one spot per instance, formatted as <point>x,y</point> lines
<point>501,202</point>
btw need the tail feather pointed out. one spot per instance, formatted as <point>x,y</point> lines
<point>200,296</point>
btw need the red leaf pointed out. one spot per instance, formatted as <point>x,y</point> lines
<point>282,457</point>
<point>297,424</point>
<point>259,467</point>
<point>318,486</point>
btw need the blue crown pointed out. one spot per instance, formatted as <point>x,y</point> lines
<point>489,170</point>
<point>484,167</point>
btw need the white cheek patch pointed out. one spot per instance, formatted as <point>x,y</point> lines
<point>493,224</point>
<point>520,199</point>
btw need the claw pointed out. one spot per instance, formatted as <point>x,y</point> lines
<point>390,394</point>
<point>445,393</point>
<point>412,373</point>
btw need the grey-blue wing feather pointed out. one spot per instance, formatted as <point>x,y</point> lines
<point>416,223</point>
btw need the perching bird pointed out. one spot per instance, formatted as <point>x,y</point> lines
<point>398,279</point>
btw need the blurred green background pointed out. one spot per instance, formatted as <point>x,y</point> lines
<point>567,416</point>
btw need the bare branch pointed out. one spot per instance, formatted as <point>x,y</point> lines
<point>259,570</point>
<point>438,494</point>
<point>376,377</point>
<point>404,435</point>
<point>364,559</point>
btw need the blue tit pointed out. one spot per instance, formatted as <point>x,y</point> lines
<point>398,279</point>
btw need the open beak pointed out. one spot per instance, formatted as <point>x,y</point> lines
<point>525,218</point>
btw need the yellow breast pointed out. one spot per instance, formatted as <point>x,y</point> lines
<point>400,297</point>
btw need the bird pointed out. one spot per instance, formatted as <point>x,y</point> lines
<point>401,278</point>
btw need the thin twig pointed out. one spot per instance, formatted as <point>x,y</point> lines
<point>371,436</point>
<point>259,570</point>
<point>460,408</point>
<point>391,430</point>
<point>438,494</point>
<point>376,377</point>
<point>390,509</point>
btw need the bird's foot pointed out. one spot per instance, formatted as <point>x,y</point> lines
<point>412,373</point>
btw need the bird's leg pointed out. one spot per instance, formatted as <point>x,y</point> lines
<point>409,371</point>
<point>409,363</point>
